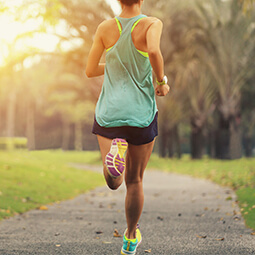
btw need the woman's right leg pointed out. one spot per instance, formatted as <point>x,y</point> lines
<point>105,146</point>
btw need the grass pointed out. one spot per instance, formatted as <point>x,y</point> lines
<point>237,174</point>
<point>31,179</point>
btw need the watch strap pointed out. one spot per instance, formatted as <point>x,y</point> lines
<point>162,82</point>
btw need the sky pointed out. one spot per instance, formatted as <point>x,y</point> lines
<point>9,29</point>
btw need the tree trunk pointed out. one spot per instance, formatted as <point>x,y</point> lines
<point>235,138</point>
<point>170,143</point>
<point>78,136</point>
<point>177,142</point>
<point>248,146</point>
<point>30,126</point>
<point>228,139</point>
<point>197,144</point>
<point>2,126</point>
<point>211,143</point>
<point>66,134</point>
<point>163,141</point>
<point>173,143</point>
<point>11,112</point>
<point>197,141</point>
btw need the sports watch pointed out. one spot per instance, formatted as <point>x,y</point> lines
<point>162,82</point>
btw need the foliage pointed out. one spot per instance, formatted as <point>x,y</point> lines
<point>208,50</point>
<point>7,143</point>
<point>3,8</point>
<point>231,52</point>
<point>208,47</point>
<point>247,5</point>
<point>51,84</point>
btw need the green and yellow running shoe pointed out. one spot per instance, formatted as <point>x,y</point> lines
<point>130,245</point>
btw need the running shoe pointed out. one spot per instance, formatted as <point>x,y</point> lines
<point>130,245</point>
<point>115,159</point>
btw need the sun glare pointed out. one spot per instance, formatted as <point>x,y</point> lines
<point>114,5</point>
<point>11,29</point>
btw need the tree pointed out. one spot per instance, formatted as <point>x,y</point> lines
<point>67,97</point>
<point>172,111</point>
<point>80,19</point>
<point>191,77</point>
<point>209,51</point>
<point>248,117</point>
<point>247,5</point>
<point>11,77</point>
<point>231,64</point>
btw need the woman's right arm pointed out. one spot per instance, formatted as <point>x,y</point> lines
<point>153,45</point>
<point>94,68</point>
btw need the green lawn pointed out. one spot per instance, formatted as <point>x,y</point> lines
<point>31,179</point>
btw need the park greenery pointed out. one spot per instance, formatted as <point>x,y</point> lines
<point>47,102</point>
<point>209,51</point>
<point>56,179</point>
<point>26,183</point>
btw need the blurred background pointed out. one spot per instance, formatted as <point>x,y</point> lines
<point>47,102</point>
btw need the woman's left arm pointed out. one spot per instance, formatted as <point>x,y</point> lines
<point>94,68</point>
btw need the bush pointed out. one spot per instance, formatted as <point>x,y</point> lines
<point>9,143</point>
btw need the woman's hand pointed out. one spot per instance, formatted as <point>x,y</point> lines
<point>162,90</point>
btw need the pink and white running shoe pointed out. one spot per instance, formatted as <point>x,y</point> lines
<point>115,159</point>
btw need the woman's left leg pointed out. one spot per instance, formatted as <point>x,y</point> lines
<point>105,146</point>
<point>136,162</point>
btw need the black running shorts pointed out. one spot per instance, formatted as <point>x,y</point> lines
<point>133,135</point>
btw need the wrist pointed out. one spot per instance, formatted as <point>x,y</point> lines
<point>163,81</point>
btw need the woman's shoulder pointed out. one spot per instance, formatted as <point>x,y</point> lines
<point>151,20</point>
<point>107,24</point>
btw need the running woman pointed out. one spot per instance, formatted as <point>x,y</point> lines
<point>126,112</point>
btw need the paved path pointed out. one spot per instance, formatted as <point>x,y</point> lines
<point>179,211</point>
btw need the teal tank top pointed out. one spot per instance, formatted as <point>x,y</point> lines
<point>127,97</point>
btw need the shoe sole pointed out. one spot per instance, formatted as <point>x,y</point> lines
<point>122,253</point>
<point>115,160</point>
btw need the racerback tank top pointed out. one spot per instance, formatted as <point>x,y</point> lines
<point>127,97</point>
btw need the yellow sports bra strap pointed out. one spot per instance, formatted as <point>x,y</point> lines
<point>145,54</point>
<point>119,25</point>
<point>108,49</point>
<point>135,24</point>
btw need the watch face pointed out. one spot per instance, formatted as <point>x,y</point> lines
<point>165,79</point>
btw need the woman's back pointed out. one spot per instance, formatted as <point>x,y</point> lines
<point>110,33</point>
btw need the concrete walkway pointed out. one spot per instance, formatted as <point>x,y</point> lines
<point>182,215</point>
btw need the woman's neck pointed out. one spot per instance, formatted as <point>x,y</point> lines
<point>130,11</point>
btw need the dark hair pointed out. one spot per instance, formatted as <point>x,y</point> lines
<point>130,2</point>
